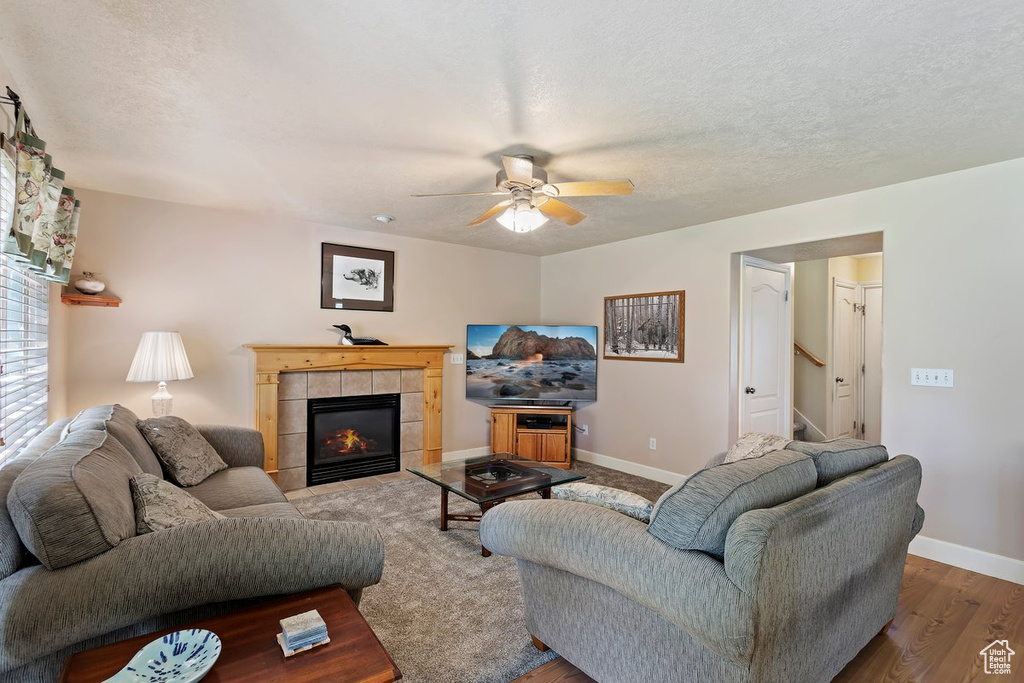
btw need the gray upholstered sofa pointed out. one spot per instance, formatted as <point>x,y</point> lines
<point>775,569</point>
<point>131,584</point>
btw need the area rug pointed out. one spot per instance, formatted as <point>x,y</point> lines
<point>443,612</point>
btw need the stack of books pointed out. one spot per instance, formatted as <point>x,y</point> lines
<point>302,632</point>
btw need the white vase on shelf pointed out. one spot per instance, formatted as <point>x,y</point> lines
<point>87,283</point>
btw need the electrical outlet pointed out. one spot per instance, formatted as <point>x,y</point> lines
<point>585,430</point>
<point>458,359</point>
<point>931,377</point>
<point>654,444</point>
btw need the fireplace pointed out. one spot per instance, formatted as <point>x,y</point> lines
<point>352,436</point>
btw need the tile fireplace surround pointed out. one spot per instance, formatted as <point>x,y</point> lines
<point>287,376</point>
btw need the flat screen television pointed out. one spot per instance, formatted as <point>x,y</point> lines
<point>531,362</point>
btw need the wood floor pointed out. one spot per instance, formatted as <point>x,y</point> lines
<point>944,618</point>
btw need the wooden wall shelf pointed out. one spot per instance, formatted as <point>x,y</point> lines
<point>73,298</point>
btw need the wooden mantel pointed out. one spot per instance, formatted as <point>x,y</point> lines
<point>273,359</point>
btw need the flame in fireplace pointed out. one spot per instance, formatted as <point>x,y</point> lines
<point>348,442</point>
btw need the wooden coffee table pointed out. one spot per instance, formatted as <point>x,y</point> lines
<point>250,650</point>
<point>461,478</point>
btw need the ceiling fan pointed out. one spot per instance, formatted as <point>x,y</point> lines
<point>531,199</point>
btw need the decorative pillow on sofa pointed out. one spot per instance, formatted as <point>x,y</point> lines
<point>754,445</point>
<point>122,425</point>
<point>697,513</point>
<point>839,457</point>
<point>186,455</point>
<point>73,503</point>
<point>626,502</point>
<point>716,460</point>
<point>161,505</point>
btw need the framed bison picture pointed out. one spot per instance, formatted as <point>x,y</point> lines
<point>645,326</point>
<point>356,278</point>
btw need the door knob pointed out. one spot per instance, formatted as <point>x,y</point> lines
<point>749,390</point>
<point>840,380</point>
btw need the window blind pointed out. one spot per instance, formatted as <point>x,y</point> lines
<point>24,302</point>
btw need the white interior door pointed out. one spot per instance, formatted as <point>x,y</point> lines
<point>766,336</point>
<point>845,366</point>
<point>871,416</point>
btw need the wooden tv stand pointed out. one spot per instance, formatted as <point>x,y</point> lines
<point>540,433</point>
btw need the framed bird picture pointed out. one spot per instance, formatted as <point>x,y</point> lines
<point>357,278</point>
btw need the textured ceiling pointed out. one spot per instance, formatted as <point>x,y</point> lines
<point>858,246</point>
<point>332,111</point>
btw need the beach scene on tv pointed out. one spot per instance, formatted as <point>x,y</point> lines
<point>547,362</point>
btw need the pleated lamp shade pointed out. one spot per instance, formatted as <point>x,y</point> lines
<point>160,358</point>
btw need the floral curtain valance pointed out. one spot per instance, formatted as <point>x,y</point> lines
<point>41,227</point>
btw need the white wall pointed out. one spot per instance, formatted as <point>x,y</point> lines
<point>843,268</point>
<point>952,253</point>
<point>869,269</point>
<point>810,328</point>
<point>224,279</point>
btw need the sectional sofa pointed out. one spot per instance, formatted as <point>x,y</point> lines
<point>774,569</point>
<point>92,579</point>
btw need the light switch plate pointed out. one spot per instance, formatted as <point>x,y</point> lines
<point>931,377</point>
<point>458,359</point>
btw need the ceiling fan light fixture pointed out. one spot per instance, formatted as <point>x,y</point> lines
<point>519,219</point>
<point>531,199</point>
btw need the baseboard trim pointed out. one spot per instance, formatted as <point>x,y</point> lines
<point>467,453</point>
<point>971,559</point>
<point>646,471</point>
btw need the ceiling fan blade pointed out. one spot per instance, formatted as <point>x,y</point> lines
<point>562,211</point>
<point>590,188</point>
<point>490,213</point>
<point>518,170</point>
<point>458,194</point>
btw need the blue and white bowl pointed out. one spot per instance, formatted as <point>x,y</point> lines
<point>179,657</point>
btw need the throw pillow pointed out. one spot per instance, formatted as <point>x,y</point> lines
<point>697,513</point>
<point>754,445</point>
<point>839,457</point>
<point>161,505</point>
<point>186,455</point>
<point>716,460</point>
<point>72,503</point>
<point>626,502</point>
<point>121,423</point>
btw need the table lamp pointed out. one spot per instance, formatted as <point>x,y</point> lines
<point>160,358</point>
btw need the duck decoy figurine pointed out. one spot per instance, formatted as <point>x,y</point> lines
<point>348,340</point>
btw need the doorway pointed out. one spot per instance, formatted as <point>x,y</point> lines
<point>855,354</point>
<point>844,365</point>
<point>871,412</point>
<point>767,339</point>
<point>830,375</point>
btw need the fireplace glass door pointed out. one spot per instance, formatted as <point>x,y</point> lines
<point>352,436</point>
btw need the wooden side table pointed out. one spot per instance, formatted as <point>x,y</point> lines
<point>250,650</point>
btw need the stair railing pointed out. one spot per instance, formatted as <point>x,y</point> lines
<point>799,350</point>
